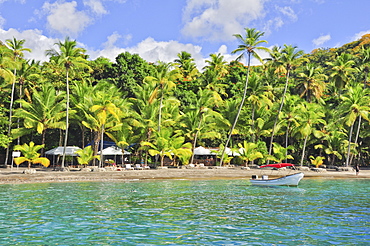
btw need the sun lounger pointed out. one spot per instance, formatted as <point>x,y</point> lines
<point>129,167</point>
<point>138,167</point>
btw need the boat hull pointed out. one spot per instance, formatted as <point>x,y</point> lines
<point>289,180</point>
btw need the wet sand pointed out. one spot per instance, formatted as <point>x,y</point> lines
<point>16,176</point>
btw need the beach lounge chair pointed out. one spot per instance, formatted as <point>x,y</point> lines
<point>129,167</point>
<point>138,167</point>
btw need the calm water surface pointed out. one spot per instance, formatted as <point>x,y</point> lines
<point>178,212</point>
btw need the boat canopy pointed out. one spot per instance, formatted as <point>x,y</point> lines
<point>279,165</point>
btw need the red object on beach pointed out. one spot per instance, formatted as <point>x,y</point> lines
<point>279,165</point>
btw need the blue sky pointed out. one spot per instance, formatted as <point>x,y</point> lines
<point>160,29</point>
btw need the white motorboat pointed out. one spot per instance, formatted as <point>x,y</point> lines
<point>289,180</point>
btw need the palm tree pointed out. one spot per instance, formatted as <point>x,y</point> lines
<point>260,96</point>
<point>342,70</point>
<point>162,144</point>
<point>249,46</point>
<point>7,63</point>
<point>289,58</point>
<point>334,145</point>
<point>186,65</point>
<point>249,152</point>
<point>311,82</point>
<point>164,77</point>
<point>44,111</point>
<point>200,120</point>
<point>86,155</point>
<point>309,116</point>
<point>30,155</point>
<point>355,103</point>
<point>70,57</point>
<point>102,112</point>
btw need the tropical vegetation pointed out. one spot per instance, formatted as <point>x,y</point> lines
<point>305,108</point>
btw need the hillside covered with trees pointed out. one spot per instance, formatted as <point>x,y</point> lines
<point>294,106</point>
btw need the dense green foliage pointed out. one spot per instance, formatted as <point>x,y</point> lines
<point>296,105</point>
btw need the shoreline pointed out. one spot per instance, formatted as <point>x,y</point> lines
<point>16,176</point>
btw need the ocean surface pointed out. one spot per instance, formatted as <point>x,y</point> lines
<point>182,212</point>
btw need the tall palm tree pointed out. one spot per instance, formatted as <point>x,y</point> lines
<point>354,103</point>
<point>200,120</point>
<point>164,77</point>
<point>7,63</point>
<point>285,62</point>
<point>70,57</point>
<point>249,45</point>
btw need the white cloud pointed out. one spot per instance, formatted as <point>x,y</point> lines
<point>357,36</point>
<point>273,24</point>
<point>96,6</point>
<point>63,17</point>
<point>219,19</point>
<point>321,40</point>
<point>288,11</point>
<point>35,40</point>
<point>149,49</point>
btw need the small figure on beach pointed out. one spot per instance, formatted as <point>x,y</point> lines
<point>357,169</point>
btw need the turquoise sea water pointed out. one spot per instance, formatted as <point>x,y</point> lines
<point>180,212</point>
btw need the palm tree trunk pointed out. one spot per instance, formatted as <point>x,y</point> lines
<point>357,135</point>
<point>101,147</point>
<point>239,110</point>
<point>195,140</point>
<point>10,120</point>
<point>304,150</point>
<point>349,145</point>
<point>67,121</point>
<point>286,141</point>
<point>277,116</point>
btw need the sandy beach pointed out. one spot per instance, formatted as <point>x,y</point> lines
<point>16,176</point>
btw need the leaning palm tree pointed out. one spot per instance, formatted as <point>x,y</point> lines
<point>249,45</point>
<point>70,57</point>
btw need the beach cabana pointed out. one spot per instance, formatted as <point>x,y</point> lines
<point>203,151</point>
<point>113,152</point>
<point>58,151</point>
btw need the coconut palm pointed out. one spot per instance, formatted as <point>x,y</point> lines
<point>164,77</point>
<point>249,45</point>
<point>354,103</point>
<point>70,57</point>
<point>86,155</point>
<point>200,120</point>
<point>30,155</point>
<point>248,152</point>
<point>162,144</point>
<point>311,82</point>
<point>285,62</point>
<point>342,70</point>
<point>6,64</point>
<point>309,116</point>
<point>186,65</point>
<point>44,111</point>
